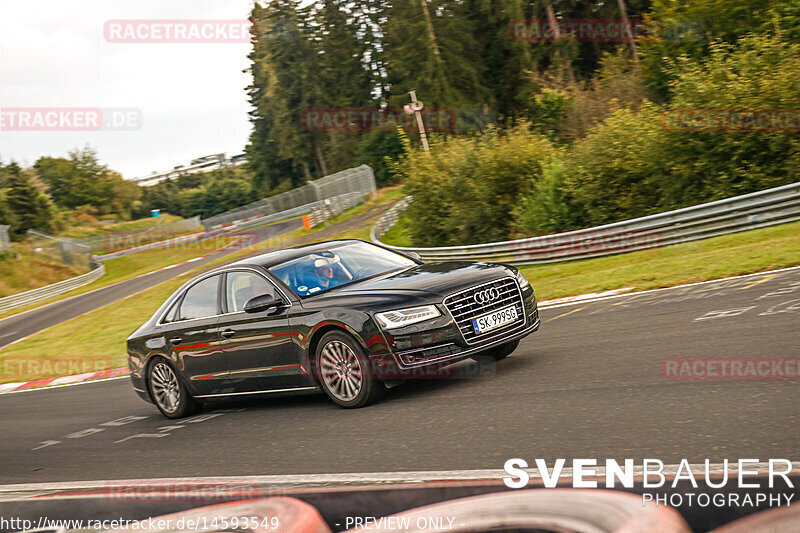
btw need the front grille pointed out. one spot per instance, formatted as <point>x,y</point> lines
<point>464,308</point>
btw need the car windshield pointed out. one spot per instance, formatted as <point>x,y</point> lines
<point>325,269</point>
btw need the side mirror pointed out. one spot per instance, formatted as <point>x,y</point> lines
<point>414,255</point>
<point>261,303</point>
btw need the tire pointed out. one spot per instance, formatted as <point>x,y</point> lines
<point>345,373</point>
<point>168,391</point>
<point>502,351</point>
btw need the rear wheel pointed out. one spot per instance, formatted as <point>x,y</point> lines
<point>345,372</point>
<point>502,351</point>
<point>168,392</point>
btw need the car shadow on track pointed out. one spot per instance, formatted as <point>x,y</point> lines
<point>460,377</point>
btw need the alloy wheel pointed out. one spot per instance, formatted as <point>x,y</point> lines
<point>166,390</point>
<point>341,370</point>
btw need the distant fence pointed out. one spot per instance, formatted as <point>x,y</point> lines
<point>43,293</point>
<point>332,207</point>
<point>58,249</point>
<point>731,215</point>
<point>5,241</point>
<point>302,199</point>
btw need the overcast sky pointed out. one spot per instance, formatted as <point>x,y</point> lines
<point>191,95</point>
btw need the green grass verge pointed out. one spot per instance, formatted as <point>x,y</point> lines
<point>718,257</point>
<point>23,270</point>
<point>95,229</point>
<point>399,234</point>
<point>98,338</point>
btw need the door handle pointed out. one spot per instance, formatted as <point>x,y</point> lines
<point>228,333</point>
<point>175,340</point>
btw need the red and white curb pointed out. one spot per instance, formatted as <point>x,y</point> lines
<point>102,375</point>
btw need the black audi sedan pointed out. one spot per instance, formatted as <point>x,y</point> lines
<point>346,317</point>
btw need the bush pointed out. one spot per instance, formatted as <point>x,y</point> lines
<point>549,207</point>
<point>631,165</point>
<point>465,189</point>
<point>757,73</point>
<point>618,170</point>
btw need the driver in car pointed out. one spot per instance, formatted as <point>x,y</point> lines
<point>323,272</point>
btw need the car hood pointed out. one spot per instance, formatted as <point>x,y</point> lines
<point>436,278</point>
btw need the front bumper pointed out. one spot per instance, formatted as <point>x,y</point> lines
<point>392,366</point>
<point>439,342</point>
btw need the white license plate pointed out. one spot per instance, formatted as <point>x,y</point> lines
<point>495,319</point>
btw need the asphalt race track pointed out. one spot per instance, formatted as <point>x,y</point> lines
<point>588,384</point>
<point>21,325</point>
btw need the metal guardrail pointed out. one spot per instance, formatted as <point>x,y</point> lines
<point>5,241</point>
<point>360,179</point>
<point>332,207</point>
<point>750,211</point>
<point>388,220</point>
<point>43,293</point>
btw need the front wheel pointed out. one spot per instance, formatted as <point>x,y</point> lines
<point>168,392</point>
<point>502,351</point>
<point>345,373</point>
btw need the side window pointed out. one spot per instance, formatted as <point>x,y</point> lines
<point>200,300</point>
<point>172,314</point>
<point>242,286</point>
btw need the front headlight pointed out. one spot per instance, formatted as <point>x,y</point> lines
<point>523,283</point>
<point>406,317</point>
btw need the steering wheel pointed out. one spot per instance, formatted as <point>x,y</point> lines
<point>363,273</point>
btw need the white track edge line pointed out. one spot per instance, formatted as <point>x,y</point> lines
<point>365,478</point>
<point>544,305</point>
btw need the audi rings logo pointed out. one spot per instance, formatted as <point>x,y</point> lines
<point>486,296</point>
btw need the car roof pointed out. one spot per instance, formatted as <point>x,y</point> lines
<point>271,259</point>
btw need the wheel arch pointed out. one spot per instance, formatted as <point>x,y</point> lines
<point>319,331</point>
<point>149,362</point>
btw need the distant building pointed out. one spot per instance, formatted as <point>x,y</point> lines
<point>198,165</point>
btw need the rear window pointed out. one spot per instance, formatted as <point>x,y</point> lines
<point>200,300</point>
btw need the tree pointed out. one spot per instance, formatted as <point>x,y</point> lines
<point>30,206</point>
<point>284,68</point>
<point>267,166</point>
<point>343,36</point>
<point>430,48</point>
<point>690,26</point>
<point>505,59</point>
<point>82,180</point>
